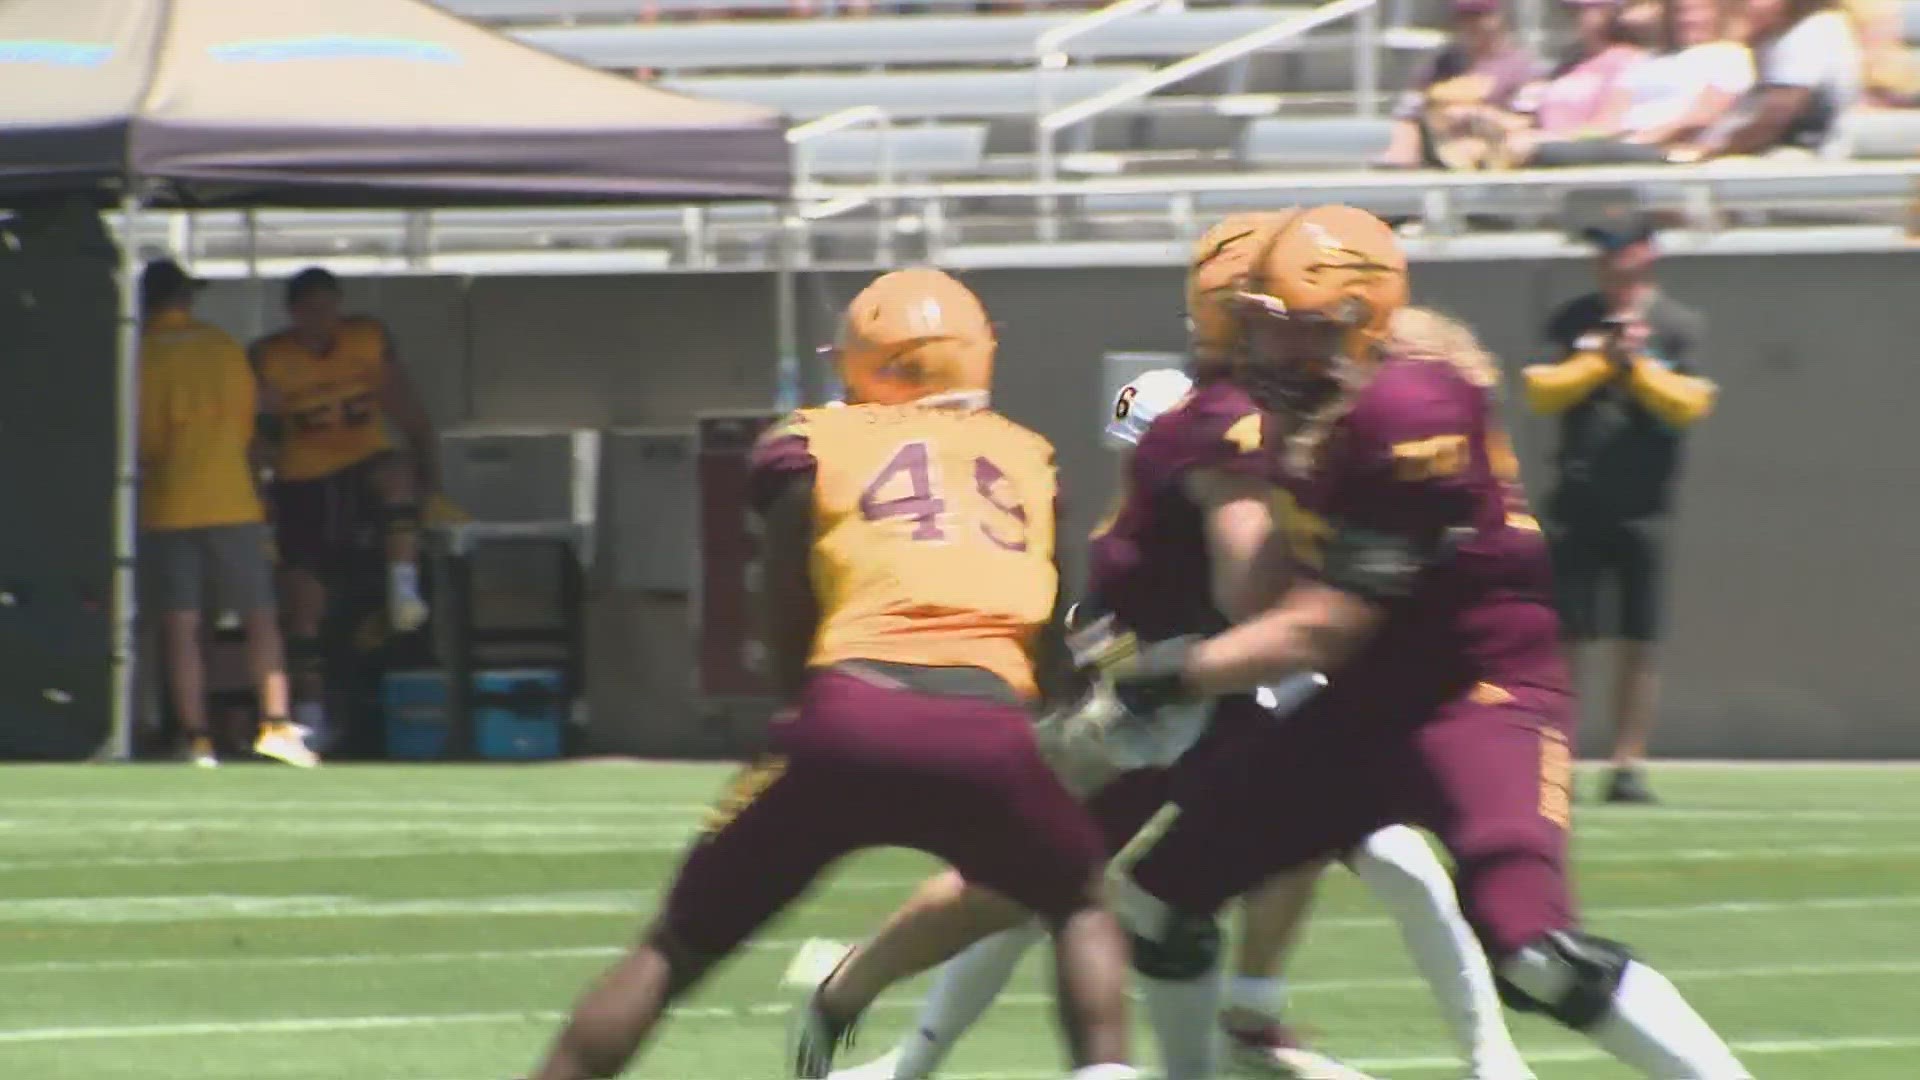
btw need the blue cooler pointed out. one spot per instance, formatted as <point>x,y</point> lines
<point>518,714</point>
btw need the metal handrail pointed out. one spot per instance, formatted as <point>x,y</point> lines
<point>1708,173</point>
<point>1049,57</point>
<point>487,241</point>
<point>846,120</point>
<point>1288,26</point>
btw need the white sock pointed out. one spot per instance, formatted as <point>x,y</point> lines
<point>1653,1029</point>
<point>1184,1014</point>
<point>962,990</point>
<point>1400,869</point>
<point>1106,1072</point>
<point>403,579</point>
<point>1184,1019</point>
<point>1263,994</point>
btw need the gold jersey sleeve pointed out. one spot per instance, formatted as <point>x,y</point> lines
<point>934,537</point>
<point>329,406</point>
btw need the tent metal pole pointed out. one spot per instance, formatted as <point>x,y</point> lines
<point>789,388</point>
<point>126,481</point>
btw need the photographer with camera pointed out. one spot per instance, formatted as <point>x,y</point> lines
<point>1626,387</point>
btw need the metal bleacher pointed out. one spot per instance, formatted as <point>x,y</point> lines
<point>922,39</point>
<point>923,130</point>
<point>909,95</point>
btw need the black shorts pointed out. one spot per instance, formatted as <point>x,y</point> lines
<point>332,523</point>
<point>1611,578</point>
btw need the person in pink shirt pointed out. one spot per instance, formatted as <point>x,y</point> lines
<point>1586,93</point>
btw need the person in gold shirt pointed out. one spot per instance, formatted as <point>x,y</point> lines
<point>202,529</point>
<point>346,500</point>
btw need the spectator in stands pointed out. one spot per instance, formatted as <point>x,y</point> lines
<point>1585,95</point>
<point>1458,110</point>
<point>1810,72</point>
<point>1624,385</point>
<point>1671,97</point>
<point>1892,75</point>
<point>202,529</point>
<point>1705,69</point>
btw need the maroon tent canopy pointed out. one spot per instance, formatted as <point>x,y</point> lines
<point>329,102</point>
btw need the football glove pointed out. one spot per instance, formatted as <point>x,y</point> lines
<point>1145,676</point>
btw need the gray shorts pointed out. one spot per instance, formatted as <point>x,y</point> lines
<point>220,568</point>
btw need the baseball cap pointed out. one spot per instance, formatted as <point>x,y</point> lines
<point>311,280</point>
<point>1613,236</point>
<point>164,282</point>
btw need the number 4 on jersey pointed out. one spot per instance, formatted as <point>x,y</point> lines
<point>922,501</point>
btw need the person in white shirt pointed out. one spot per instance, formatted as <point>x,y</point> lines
<point>1810,72</point>
<point>1681,93</point>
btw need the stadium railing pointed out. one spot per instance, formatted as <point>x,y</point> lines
<point>978,222</point>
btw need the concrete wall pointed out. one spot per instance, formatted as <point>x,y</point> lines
<point>1795,599</point>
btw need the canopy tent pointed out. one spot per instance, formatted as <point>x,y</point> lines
<point>187,103</point>
<point>302,103</point>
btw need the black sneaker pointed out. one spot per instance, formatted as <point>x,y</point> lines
<point>1629,785</point>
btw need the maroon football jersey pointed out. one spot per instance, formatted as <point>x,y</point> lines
<point>1420,456</point>
<point>1148,563</point>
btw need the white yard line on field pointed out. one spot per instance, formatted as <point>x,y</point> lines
<point>1808,970</point>
<point>259,808</point>
<point>462,844</point>
<point>92,910</point>
<point>308,1025</point>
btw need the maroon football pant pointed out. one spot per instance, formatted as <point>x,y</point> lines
<point>1491,781</point>
<point>862,765</point>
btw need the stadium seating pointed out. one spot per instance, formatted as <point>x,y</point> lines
<point>936,39</point>
<point>911,95</point>
<point>961,89</point>
<point>916,152</point>
<point>1313,142</point>
<point>549,12</point>
<point>1884,134</point>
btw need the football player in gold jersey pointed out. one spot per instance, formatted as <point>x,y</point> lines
<point>910,576</point>
<point>346,500</point>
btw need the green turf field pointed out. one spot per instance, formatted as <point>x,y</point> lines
<point>426,924</point>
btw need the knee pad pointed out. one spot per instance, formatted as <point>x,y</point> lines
<point>1187,948</point>
<point>1565,974</point>
<point>1168,944</point>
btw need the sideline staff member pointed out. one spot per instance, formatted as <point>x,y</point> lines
<point>201,524</point>
<point>1626,387</point>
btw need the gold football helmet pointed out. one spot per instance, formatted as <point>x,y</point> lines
<point>911,334</point>
<point>1323,290</point>
<point>1216,272</point>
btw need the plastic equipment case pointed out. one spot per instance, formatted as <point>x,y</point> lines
<point>510,600</point>
<point>519,714</point>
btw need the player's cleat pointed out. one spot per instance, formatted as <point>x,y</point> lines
<point>1629,785</point>
<point>199,752</point>
<point>814,1039</point>
<point>1273,1051</point>
<point>283,742</point>
<point>880,1068</point>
